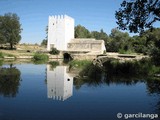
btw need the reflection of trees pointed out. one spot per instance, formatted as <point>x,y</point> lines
<point>95,76</point>
<point>53,64</point>
<point>153,88</point>
<point>78,81</point>
<point>114,71</point>
<point>111,74</point>
<point>9,81</point>
<point>92,75</point>
<point>132,68</point>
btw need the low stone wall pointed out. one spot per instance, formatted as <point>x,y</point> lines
<point>56,57</point>
<point>6,57</point>
<point>85,44</point>
<point>24,57</point>
<point>83,57</point>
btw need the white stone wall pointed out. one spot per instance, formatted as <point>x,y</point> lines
<point>87,45</point>
<point>60,31</point>
<point>59,83</point>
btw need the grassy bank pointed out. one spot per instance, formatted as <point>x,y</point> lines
<point>2,55</point>
<point>79,63</point>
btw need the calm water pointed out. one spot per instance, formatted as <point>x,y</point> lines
<point>45,93</point>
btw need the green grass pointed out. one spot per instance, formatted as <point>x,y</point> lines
<point>122,51</point>
<point>79,63</point>
<point>1,55</point>
<point>8,55</point>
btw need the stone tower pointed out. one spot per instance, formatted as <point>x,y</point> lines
<point>60,32</point>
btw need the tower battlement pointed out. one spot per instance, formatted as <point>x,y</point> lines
<point>60,17</point>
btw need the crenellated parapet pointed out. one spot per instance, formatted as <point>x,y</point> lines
<point>59,17</point>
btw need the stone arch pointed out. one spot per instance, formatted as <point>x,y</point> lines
<point>67,56</point>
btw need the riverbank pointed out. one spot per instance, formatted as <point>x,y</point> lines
<point>28,54</point>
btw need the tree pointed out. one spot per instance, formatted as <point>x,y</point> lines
<point>81,32</point>
<point>10,29</point>
<point>44,41</point>
<point>46,32</point>
<point>95,34</point>
<point>2,38</point>
<point>118,40</point>
<point>138,15</point>
<point>99,35</point>
<point>153,44</point>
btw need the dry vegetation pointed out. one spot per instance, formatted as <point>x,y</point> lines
<point>23,50</point>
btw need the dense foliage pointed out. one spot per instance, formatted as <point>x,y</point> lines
<point>118,41</point>
<point>137,15</point>
<point>81,32</point>
<point>10,29</point>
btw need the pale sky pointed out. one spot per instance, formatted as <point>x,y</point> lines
<point>93,14</point>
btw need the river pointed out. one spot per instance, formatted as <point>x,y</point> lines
<point>41,92</point>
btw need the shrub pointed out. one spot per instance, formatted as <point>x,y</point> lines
<point>40,56</point>
<point>54,51</point>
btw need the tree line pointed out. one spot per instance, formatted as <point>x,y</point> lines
<point>118,41</point>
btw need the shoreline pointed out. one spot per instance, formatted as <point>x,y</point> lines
<point>85,56</point>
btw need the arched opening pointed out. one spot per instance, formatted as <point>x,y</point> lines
<point>67,57</point>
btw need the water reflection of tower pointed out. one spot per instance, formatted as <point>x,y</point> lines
<point>59,83</point>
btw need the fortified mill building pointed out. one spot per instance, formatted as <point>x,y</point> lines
<point>61,37</point>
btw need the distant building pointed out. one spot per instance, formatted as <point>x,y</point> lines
<point>59,83</point>
<point>61,37</point>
